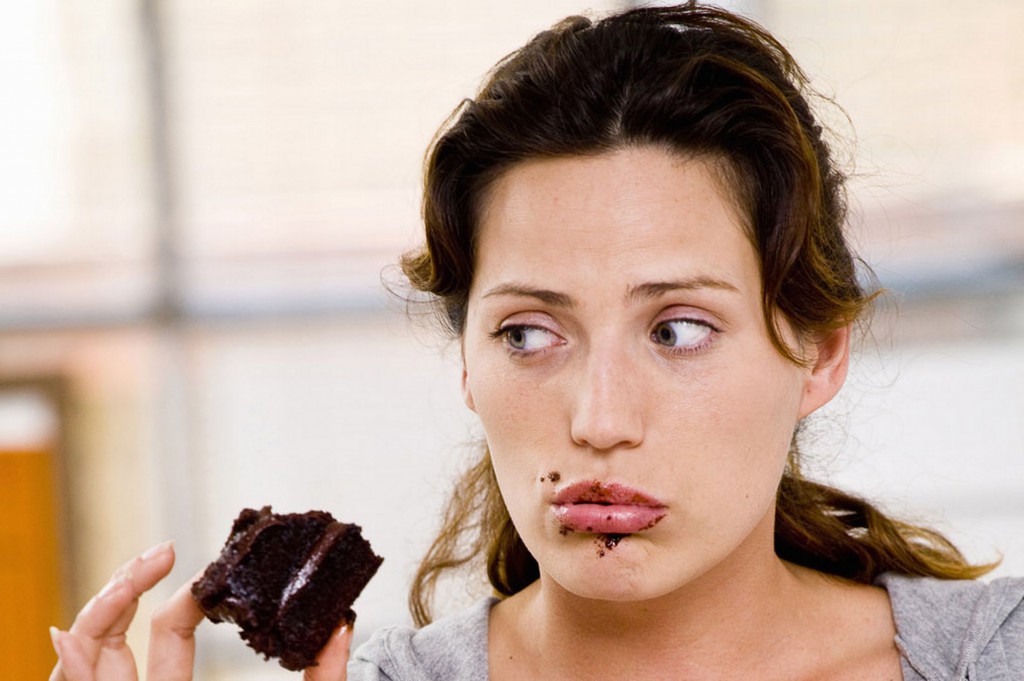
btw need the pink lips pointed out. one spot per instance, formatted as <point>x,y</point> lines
<point>592,506</point>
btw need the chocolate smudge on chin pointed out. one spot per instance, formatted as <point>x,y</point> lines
<point>612,540</point>
<point>607,542</point>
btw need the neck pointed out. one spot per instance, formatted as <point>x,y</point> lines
<point>733,621</point>
<point>697,617</point>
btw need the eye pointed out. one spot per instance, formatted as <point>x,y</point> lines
<point>681,334</point>
<point>527,339</point>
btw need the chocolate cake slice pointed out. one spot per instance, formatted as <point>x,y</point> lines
<point>287,580</point>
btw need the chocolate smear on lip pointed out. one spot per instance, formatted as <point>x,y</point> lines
<point>599,493</point>
<point>652,523</point>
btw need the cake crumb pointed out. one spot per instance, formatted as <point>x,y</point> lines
<point>612,540</point>
<point>607,542</point>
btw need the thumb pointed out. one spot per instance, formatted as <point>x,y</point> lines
<point>332,661</point>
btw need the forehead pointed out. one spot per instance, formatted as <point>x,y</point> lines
<point>640,169</point>
<point>643,212</point>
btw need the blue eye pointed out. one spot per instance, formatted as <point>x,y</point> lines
<point>684,334</point>
<point>528,338</point>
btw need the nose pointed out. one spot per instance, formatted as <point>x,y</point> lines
<point>608,404</point>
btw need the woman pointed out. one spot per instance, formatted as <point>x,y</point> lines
<point>635,232</point>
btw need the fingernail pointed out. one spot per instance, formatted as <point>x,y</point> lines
<point>55,638</point>
<point>155,551</point>
<point>344,635</point>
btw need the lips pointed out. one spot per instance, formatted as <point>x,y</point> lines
<point>600,508</point>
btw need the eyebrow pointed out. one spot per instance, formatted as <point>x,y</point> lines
<point>553,298</point>
<point>651,290</point>
<point>636,294</point>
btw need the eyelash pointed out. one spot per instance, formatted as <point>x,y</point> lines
<point>504,333</point>
<point>709,333</point>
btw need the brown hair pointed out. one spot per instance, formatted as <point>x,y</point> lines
<point>698,81</point>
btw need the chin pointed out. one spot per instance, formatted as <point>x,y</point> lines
<point>609,588</point>
<point>605,568</point>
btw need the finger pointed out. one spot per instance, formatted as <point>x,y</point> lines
<point>110,612</point>
<point>98,632</point>
<point>115,661</point>
<point>172,645</point>
<point>332,661</point>
<point>56,635</point>
<point>73,663</point>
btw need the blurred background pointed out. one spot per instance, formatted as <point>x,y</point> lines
<point>198,199</point>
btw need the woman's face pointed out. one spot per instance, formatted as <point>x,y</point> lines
<point>637,414</point>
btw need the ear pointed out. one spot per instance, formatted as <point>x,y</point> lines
<point>467,394</point>
<point>830,361</point>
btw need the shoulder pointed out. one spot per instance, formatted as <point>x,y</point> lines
<point>955,629</point>
<point>453,648</point>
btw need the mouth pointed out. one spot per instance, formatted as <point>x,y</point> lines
<point>612,509</point>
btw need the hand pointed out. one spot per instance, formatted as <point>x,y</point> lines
<point>95,647</point>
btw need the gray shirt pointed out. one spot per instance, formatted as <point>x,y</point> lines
<point>946,631</point>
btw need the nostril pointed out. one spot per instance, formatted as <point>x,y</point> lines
<point>620,431</point>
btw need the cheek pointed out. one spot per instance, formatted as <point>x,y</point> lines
<point>764,401</point>
<point>514,411</point>
<point>521,434</point>
<point>738,430</point>
<point>491,399</point>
